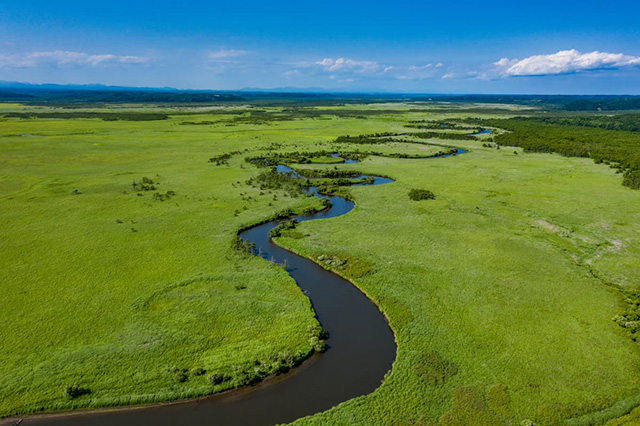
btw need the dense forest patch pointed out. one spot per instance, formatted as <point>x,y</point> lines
<point>587,137</point>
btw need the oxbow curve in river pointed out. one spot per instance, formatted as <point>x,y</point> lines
<point>360,351</point>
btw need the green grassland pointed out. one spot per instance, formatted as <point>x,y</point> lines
<point>494,276</point>
<point>501,292</point>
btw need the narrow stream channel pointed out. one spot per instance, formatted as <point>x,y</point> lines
<point>360,351</point>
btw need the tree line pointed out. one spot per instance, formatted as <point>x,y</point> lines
<point>586,137</point>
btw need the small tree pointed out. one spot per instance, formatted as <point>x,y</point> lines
<point>421,194</point>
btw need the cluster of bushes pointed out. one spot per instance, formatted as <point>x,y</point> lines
<point>284,226</point>
<point>450,151</point>
<point>348,182</point>
<point>299,157</point>
<point>257,370</point>
<point>328,174</point>
<point>374,138</point>
<point>428,124</point>
<point>282,214</point>
<point>629,319</point>
<point>272,180</point>
<point>444,135</point>
<point>217,378</point>
<point>306,157</point>
<point>242,246</point>
<point>163,197</point>
<point>266,117</point>
<point>145,184</point>
<point>253,372</point>
<point>181,375</point>
<point>351,267</point>
<point>223,158</point>
<point>618,148</point>
<point>333,261</point>
<point>105,116</point>
<point>421,194</point>
<point>324,204</point>
<point>329,188</point>
<point>627,122</point>
<point>317,337</point>
<point>197,123</point>
<point>264,160</point>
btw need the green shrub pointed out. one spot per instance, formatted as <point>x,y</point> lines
<point>217,378</point>
<point>242,246</point>
<point>197,371</point>
<point>145,184</point>
<point>74,391</point>
<point>421,194</point>
<point>317,344</point>
<point>179,374</point>
<point>284,226</point>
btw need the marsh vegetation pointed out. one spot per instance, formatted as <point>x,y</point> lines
<point>539,325</point>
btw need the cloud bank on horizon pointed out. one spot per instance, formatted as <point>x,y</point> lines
<point>340,70</point>
<point>565,62</point>
<point>64,57</point>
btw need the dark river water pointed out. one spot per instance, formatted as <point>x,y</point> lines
<point>360,351</point>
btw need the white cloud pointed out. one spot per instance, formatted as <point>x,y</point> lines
<point>564,62</point>
<point>65,57</point>
<point>420,72</point>
<point>223,55</point>
<point>347,70</point>
<point>457,73</point>
<point>291,73</point>
<point>349,65</point>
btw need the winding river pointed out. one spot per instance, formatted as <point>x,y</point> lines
<point>360,351</point>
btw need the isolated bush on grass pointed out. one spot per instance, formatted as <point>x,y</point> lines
<point>74,391</point>
<point>180,375</point>
<point>421,194</point>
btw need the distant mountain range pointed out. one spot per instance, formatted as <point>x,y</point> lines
<point>98,93</point>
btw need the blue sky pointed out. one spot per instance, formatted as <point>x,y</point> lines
<point>568,47</point>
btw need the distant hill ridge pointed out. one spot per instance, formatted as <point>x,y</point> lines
<point>96,93</point>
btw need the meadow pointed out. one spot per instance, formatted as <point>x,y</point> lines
<point>512,294</point>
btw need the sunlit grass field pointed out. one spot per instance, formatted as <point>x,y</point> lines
<point>501,291</point>
<point>494,276</point>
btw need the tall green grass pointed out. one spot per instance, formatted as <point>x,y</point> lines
<point>501,291</point>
